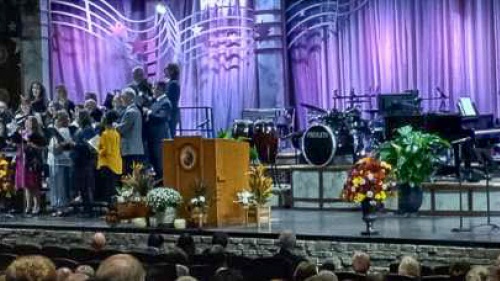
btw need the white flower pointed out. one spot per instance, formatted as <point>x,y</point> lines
<point>353,189</point>
<point>202,199</point>
<point>384,186</point>
<point>370,177</point>
<point>369,194</point>
<point>362,182</point>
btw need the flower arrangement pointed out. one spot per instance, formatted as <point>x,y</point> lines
<point>245,198</point>
<point>200,201</point>
<point>161,198</point>
<point>137,184</point>
<point>7,189</point>
<point>369,179</point>
<point>261,188</point>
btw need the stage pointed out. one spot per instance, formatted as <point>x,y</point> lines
<point>307,224</point>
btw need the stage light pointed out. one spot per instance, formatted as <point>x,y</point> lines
<point>161,9</point>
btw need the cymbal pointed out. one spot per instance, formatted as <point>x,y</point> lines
<point>314,108</point>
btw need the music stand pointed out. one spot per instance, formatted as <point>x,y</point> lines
<point>457,147</point>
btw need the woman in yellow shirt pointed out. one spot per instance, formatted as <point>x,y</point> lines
<point>109,161</point>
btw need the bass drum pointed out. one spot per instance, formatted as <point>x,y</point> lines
<point>319,145</point>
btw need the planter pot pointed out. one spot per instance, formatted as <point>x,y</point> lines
<point>369,210</point>
<point>167,217</point>
<point>263,215</point>
<point>131,210</point>
<point>199,217</point>
<point>409,198</point>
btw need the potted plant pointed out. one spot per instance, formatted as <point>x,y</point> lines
<point>131,196</point>
<point>164,201</point>
<point>413,155</point>
<point>261,187</point>
<point>369,183</point>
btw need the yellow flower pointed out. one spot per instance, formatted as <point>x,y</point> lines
<point>385,165</point>
<point>359,197</point>
<point>381,196</point>
<point>3,173</point>
<point>357,181</point>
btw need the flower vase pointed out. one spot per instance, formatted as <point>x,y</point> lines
<point>199,217</point>
<point>167,217</point>
<point>263,215</point>
<point>369,210</point>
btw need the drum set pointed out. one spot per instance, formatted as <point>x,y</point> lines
<point>329,134</point>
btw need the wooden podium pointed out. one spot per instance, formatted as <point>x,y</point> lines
<point>221,164</point>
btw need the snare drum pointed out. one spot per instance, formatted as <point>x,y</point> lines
<point>319,145</point>
<point>265,138</point>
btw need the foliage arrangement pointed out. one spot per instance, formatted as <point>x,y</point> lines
<point>369,179</point>
<point>200,201</point>
<point>137,184</point>
<point>161,198</point>
<point>413,155</point>
<point>7,189</point>
<point>261,187</point>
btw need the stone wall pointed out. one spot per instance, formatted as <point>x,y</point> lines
<point>316,251</point>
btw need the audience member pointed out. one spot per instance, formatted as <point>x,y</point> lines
<point>227,275</point>
<point>409,266</point>
<point>155,243</point>
<point>130,129</point>
<point>323,276</point>
<point>304,270</point>
<point>287,240</point>
<point>459,268</point>
<point>361,262</point>
<point>478,273</point>
<point>63,273</point>
<point>38,97</point>
<point>120,268</point>
<point>109,159</point>
<point>77,277</point>
<point>118,104</point>
<point>94,111</point>
<point>31,268</point>
<point>218,257</point>
<point>186,243</point>
<point>85,269</point>
<point>141,87</point>
<point>327,266</point>
<point>220,238</point>
<point>172,73</point>
<point>98,241</point>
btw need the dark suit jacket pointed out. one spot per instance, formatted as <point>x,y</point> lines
<point>290,257</point>
<point>157,124</point>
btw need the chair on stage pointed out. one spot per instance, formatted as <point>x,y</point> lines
<point>27,249</point>
<point>53,251</point>
<point>62,262</point>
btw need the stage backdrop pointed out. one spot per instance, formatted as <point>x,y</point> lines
<point>393,45</point>
<point>96,44</point>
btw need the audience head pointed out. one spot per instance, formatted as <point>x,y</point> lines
<point>90,105</point>
<point>323,276</point>
<point>62,119</point>
<point>227,275</point>
<point>478,273</point>
<point>63,273</point>
<point>77,277</point>
<point>117,102</point>
<point>120,267</point>
<point>128,96</point>
<point>304,270</point>
<point>3,107</point>
<point>61,93</point>
<point>287,240</point>
<point>186,278</point>
<point>327,266</point>
<point>85,269</point>
<point>172,71</point>
<point>409,266</point>
<point>220,238</point>
<point>138,74</point>
<point>84,119</point>
<point>186,243</point>
<point>155,240</point>
<point>459,268</point>
<point>218,256</point>
<point>159,88</point>
<point>360,262</point>
<point>32,268</point>
<point>98,241</point>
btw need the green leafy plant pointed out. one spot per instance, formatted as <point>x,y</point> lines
<point>161,198</point>
<point>412,154</point>
<point>261,185</point>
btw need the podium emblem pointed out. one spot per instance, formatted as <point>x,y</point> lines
<point>188,157</point>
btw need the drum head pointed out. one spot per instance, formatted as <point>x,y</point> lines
<point>319,145</point>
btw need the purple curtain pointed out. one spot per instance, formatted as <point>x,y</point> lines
<point>392,46</point>
<point>219,74</point>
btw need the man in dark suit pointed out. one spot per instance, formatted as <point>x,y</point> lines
<point>130,129</point>
<point>142,88</point>
<point>287,242</point>
<point>157,129</point>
